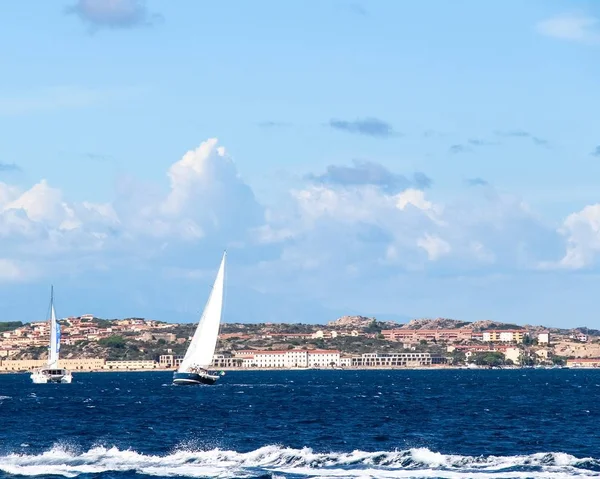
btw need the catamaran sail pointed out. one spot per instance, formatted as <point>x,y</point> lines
<point>52,373</point>
<point>202,347</point>
<point>54,336</point>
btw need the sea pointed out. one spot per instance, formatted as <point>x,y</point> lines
<point>305,424</point>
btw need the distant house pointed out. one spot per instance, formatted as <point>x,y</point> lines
<point>543,337</point>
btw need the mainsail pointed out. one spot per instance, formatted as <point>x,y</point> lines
<point>202,348</point>
<point>54,335</point>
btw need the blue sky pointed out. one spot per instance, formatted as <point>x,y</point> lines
<point>397,159</point>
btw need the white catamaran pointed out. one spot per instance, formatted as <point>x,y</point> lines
<point>52,373</point>
<point>199,355</point>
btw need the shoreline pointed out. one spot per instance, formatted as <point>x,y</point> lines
<point>359,368</point>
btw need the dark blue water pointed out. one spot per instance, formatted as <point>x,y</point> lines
<point>297,424</point>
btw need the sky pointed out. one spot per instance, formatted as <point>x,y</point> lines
<point>392,159</point>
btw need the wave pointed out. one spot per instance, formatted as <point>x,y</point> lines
<point>279,462</point>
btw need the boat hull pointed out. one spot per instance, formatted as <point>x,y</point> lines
<point>46,376</point>
<point>192,379</point>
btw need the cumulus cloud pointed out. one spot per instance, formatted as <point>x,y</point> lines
<point>206,197</point>
<point>576,27</point>
<point>113,14</point>
<point>582,232</point>
<point>367,126</point>
<point>369,173</point>
<point>342,229</point>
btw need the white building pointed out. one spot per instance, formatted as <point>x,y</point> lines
<point>132,365</point>
<point>325,335</point>
<point>346,362</point>
<point>289,359</point>
<point>544,338</point>
<point>398,359</point>
<point>507,336</point>
<point>323,358</point>
<point>514,354</point>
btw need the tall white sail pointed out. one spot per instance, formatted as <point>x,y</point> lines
<point>54,336</point>
<point>202,348</point>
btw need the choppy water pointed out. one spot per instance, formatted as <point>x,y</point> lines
<point>305,424</point>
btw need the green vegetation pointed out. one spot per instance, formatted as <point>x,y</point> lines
<point>114,341</point>
<point>559,360</point>
<point>375,327</point>
<point>10,325</point>
<point>102,323</point>
<point>491,358</point>
<point>505,326</point>
<point>458,357</point>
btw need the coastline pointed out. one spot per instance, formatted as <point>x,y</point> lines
<point>355,368</point>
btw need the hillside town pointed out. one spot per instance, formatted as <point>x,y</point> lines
<point>92,344</point>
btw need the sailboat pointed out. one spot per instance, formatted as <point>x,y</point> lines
<point>51,373</point>
<point>199,355</point>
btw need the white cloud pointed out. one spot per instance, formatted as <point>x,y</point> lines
<point>336,245</point>
<point>435,246</point>
<point>582,230</point>
<point>207,201</point>
<point>332,234</point>
<point>574,27</point>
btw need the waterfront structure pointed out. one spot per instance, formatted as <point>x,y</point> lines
<point>398,360</point>
<point>170,360</point>
<point>583,363</point>
<point>135,365</point>
<point>83,364</point>
<point>299,358</point>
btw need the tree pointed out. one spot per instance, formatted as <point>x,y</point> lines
<point>458,356</point>
<point>113,341</point>
<point>10,325</point>
<point>491,358</point>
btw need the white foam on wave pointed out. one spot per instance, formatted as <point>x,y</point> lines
<point>275,460</point>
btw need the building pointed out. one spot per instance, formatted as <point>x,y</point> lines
<point>579,337</point>
<point>543,337</point>
<point>583,363</point>
<point>513,354</point>
<point>397,360</point>
<point>324,335</point>
<point>153,336</point>
<point>167,361</point>
<point>288,359</point>
<point>134,365</point>
<point>323,358</point>
<point>412,336</point>
<point>84,364</point>
<point>226,361</point>
<point>504,335</point>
